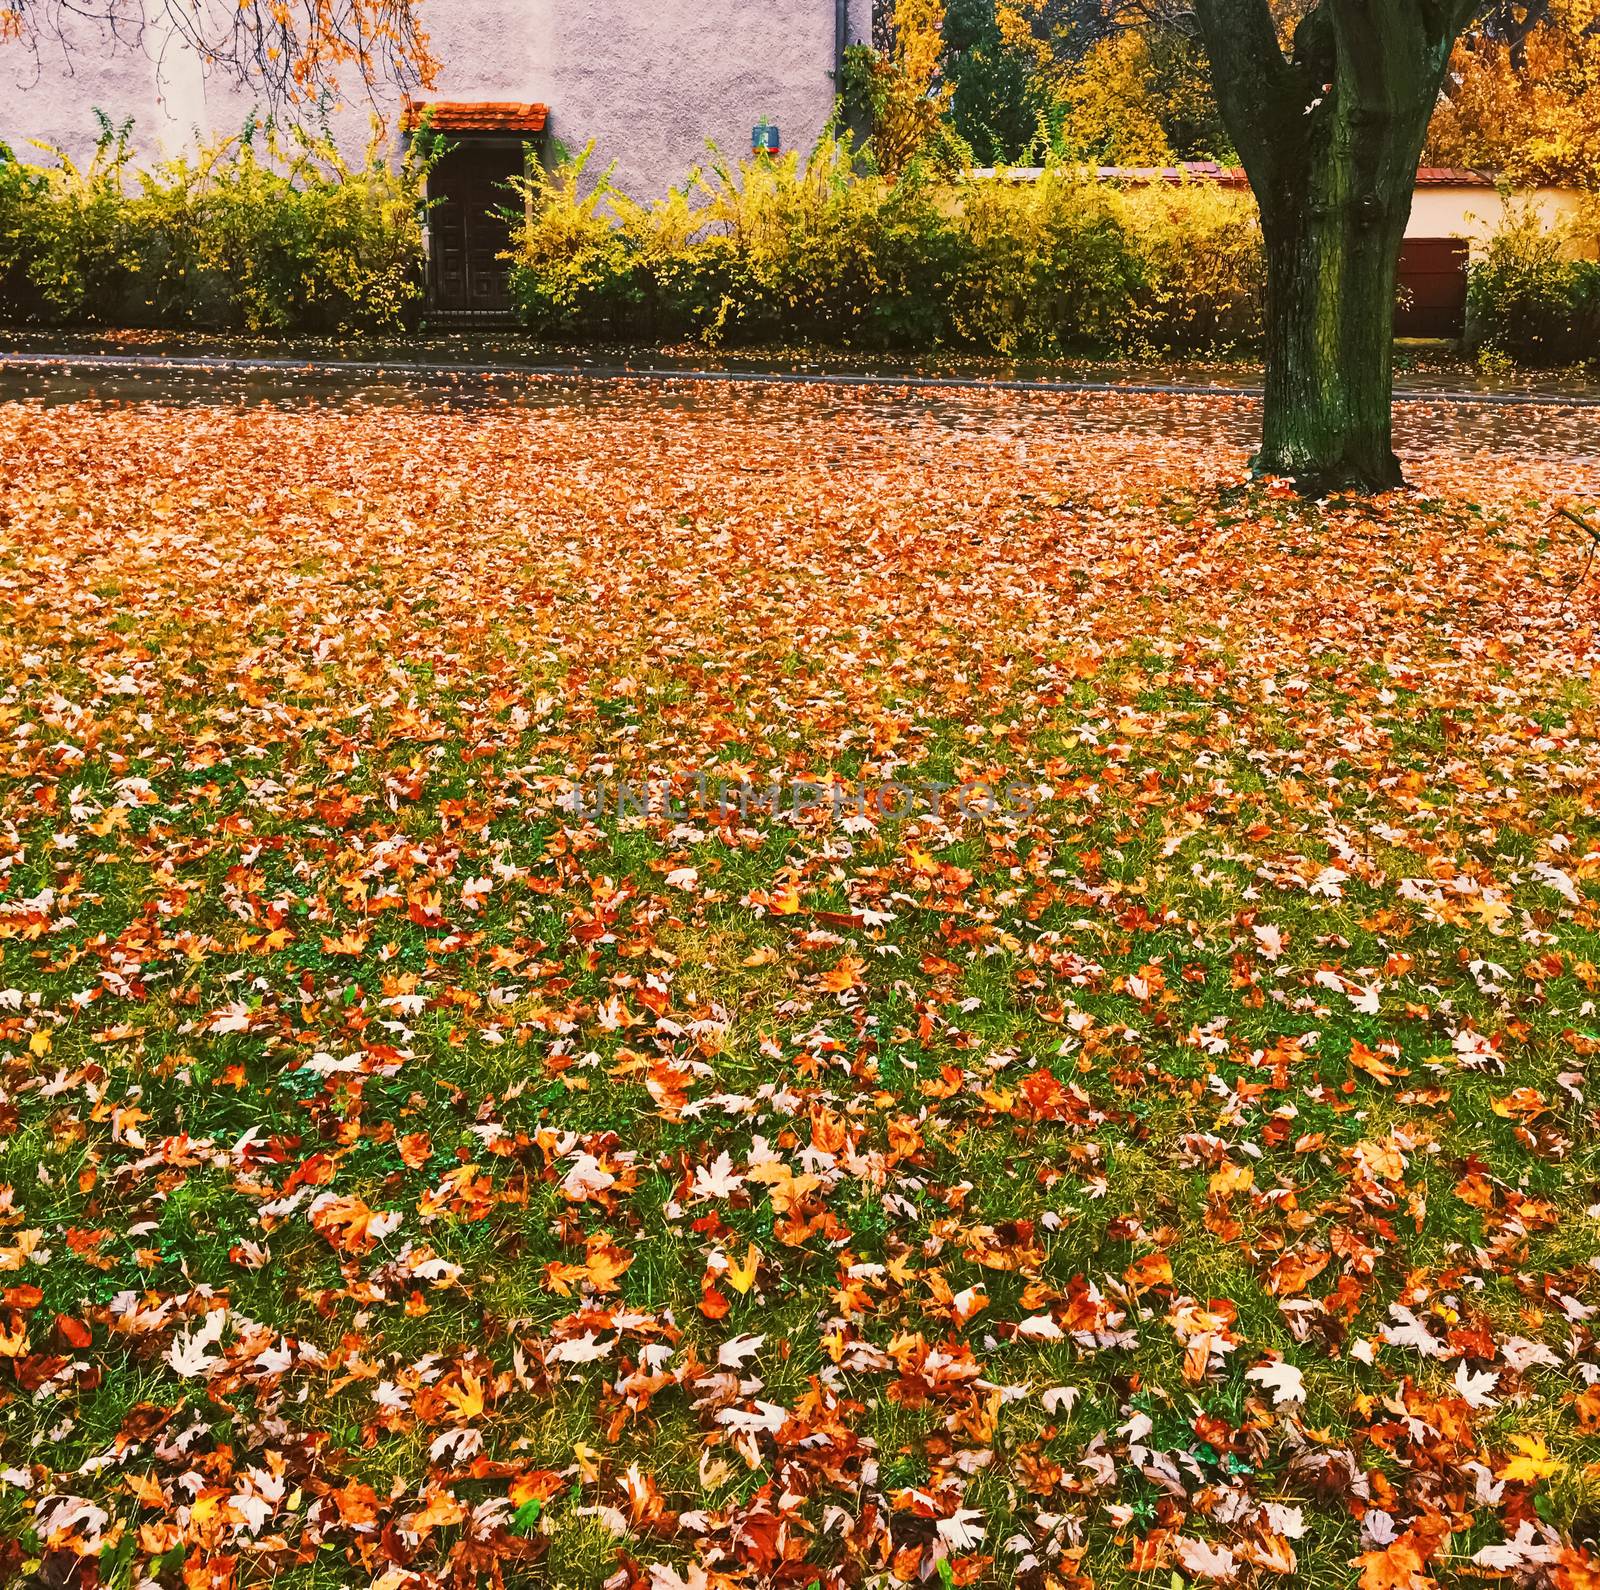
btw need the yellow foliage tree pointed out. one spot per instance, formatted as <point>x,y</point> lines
<point>1019,22</point>
<point>1532,113</point>
<point>1112,117</point>
<point>1141,97</point>
<point>908,100</point>
<point>919,43</point>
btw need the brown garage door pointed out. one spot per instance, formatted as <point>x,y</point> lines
<point>1433,288</point>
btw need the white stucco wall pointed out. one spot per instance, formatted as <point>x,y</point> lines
<point>1476,214</point>
<point>50,86</point>
<point>650,81</point>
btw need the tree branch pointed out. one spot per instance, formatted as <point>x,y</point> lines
<point>1256,85</point>
<point>291,51</point>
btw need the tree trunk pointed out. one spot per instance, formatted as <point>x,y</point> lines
<point>1330,136</point>
<point>1331,279</point>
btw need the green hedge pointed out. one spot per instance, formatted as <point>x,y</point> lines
<point>259,233</point>
<point>1533,298</point>
<point>275,232</point>
<point>793,251</point>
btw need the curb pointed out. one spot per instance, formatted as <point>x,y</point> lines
<point>648,375</point>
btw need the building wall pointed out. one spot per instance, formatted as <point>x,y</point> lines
<point>691,70</point>
<point>1476,214</point>
<point>51,85</point>
<point>650,81</point>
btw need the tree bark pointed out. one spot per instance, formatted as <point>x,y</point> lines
<point>1329,359</point>
<point>1333,237</point>
<point>1330,135</point>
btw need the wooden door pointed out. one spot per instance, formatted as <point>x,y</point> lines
<point>1433,288</point>
<point>468,230</point>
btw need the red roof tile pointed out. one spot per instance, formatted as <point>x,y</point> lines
<point>476,116</point>
<point>1189,171</point>
<point>1451,177</point>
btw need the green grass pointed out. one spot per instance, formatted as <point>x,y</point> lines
<point>998,1105</point>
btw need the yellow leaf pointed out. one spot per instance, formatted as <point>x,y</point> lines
<point>1490,909</point>
<point>742,1277</point>
<point>466,1399</point>
<point>1533,1462</point>
<point>1230,1179</point>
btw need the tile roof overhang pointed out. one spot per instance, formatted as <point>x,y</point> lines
<point>476,116</point>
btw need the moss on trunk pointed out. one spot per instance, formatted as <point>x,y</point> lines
<point>1330,356</point>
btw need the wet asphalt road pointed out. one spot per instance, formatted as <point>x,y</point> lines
<point>1560,426</point>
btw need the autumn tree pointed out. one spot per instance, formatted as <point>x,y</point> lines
<point>898,88</point>
<point>1141,97</point>
<point>290,51</point>
<point>992,65</point>
<point>1523,97</point>
<point>996,66</point>
<point>1329,123</point>
<point>1327,104</point>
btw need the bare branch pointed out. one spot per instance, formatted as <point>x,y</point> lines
<point>290,51</point>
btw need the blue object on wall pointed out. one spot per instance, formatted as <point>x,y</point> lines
<point>765,139</point>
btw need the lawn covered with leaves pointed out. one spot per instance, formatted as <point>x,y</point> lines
<point>1190,1178</point>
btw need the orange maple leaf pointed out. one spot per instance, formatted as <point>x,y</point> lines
<point>605,1263</point>
<point>349,1224</point>
<point>845,976</point>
